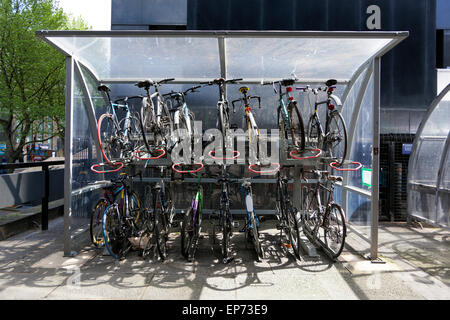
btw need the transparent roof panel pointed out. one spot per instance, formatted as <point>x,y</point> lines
<point>199,55</point>
<point>317,58</point>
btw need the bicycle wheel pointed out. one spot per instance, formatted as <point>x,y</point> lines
<point>311,205</point>
<point>159,230</point>
<point>294,232</point>
<point>315,137</point>
<point>95,228</point>
<point>186,232</point>
<point>135,211</point>
<point>116,241</point>
<point>297,127</point>
<point>109,137</point>
<point>224,127</point>
<point>335,229</point>
<point>255,236</point>
<point>226,235</point>
<point>147,114</point>
<point>336,137</point>
<point>280,121</point>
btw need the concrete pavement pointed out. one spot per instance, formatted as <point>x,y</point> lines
<point>32,267</point>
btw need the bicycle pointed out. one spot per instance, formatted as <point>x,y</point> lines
<point>223,112</point>
<point>252,128</point>
<point>288,220</point>
<point>333,140</point>
<point>329,217</point>
<point>96,224</point>
<point>192,219</point>
<point>158,122</point>
<point>289,119</point>
<point>117,138</point>
<point>251,227</point>
<point>160,218</point>
<point>183,118</point>
<point>121,220</point>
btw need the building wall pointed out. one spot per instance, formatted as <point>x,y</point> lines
<point>408,72</point>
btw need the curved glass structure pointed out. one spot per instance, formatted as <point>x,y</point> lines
<point>429,165</point>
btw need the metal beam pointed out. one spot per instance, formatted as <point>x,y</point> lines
<point>229,34</point>
<point>376,159</point>
<point>197,80</point>
<point>68,156</point>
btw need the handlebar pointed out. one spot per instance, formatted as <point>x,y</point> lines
<point>220,81</point>
<point>243,100</point>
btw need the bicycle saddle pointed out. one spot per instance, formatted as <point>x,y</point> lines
<point>331,82</point>
<point>145,83</point>
<point>334,178</point>
<point>103,88</point>
<point>243,90</point>
<point>287,82</point>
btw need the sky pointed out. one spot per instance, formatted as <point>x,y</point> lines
<point>96,13</point>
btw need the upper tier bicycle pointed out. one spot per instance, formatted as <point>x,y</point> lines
<point>289,119</point>
<point>252,128</point>
<point>183,118</point>
<point>332,139</point>
<point>156,120</point>
<point>117,139</point>
<point>223,110</point>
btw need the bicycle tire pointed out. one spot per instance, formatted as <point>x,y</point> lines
<point>310,204</point>
<point>294,232</point>
<point>96,224</point>
<point>136,212</point>
<point>107,138</point>
<point>255,235</point>
<point>159,228</point>
<point>280,121</point>
<point>297,127</point>
<point>116,243</point>
<point>225,236</point>
<point>315,136</point>
<point>186,235</point>
<point>335,211</point>
<point>224,127</point>
<point>340,136</point>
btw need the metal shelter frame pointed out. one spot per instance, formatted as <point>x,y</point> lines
<point>75,64</point>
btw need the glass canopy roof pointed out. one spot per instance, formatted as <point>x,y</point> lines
<point>191,56</point>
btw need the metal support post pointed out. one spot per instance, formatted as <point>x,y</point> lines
<point>375,161</point>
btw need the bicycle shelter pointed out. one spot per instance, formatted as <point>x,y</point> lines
<point>121,58</point>
<point>429,176</point>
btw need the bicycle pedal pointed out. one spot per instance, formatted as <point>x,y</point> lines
<point>235,224</point>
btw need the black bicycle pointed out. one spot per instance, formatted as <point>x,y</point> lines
<point>159,217</point>
<point>288,217</point>
<point>223,110</point>
<point>329,217</point>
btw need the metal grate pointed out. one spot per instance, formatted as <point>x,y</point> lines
<point>393,176</point>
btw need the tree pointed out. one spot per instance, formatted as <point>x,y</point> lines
<point>32,73</point>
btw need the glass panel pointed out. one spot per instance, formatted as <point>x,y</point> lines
<point>145,57</point>
<point>428,159</point>
<point>443,206</point>
<point>198,57</point>
<point>363,138</point>
<point>422,202</point>
<point>359,221</point>
<point>316,58</point>
<point>437,123</point>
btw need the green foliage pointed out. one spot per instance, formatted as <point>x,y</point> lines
<point>32,73</point>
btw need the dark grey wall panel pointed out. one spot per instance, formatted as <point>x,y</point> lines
<point>148,12</point>
<point>408,72</point>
